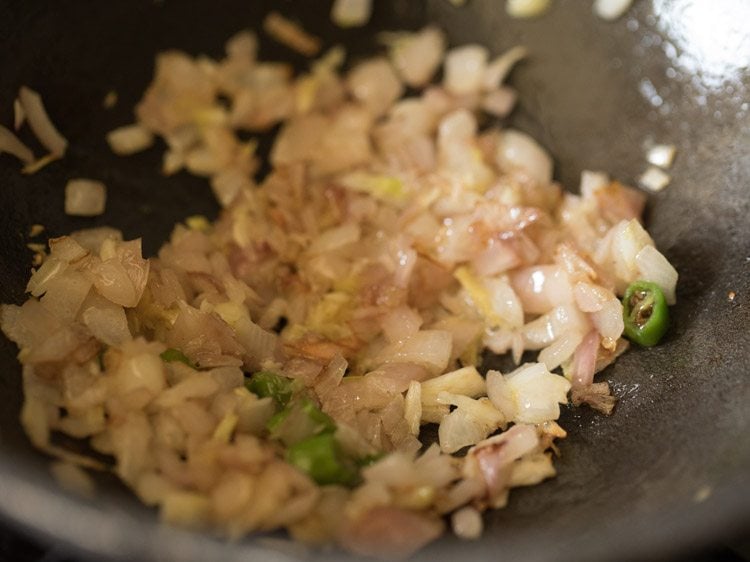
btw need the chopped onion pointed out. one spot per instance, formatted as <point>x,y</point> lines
<point>413,407</point>
<point>19,116</point>
<point>464,69</point>
<point>489,460</point>
<point>592,182</point>
<point>416,56</point>
<point>654,179</point>
<point>375,84</point>
<point>65,294</point>
<point>129,139</point>
<point>518,150</point>
<point>260,345</point>
<point>144,370</point>
<point>351,13</point>
<point>522,9</point>
<point>610,10</point>
<point>654,267</point>
<point>91,239</point>
<point>85,198</point>
<point>40,122</point>
<point>538,393</point>
<point>467,523</point>
<point>430,348</point>
<point>560,350</point>
<point>500,394</point>
<point>466,381</point>
<point>49,270</point>
<point>499,102</point>
<point>460,429</point>
<point>541,287</point>
<point>12,145</point>
<point>107,323</point>
<point>584,361</point>
<point>335,238</point>
<point>499,68</point>
<point>291,34</point>
<point>661,155</point>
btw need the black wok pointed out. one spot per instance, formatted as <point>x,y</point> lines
<point>666,473</point>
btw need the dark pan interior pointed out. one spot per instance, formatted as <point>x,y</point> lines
<point>666,473</point>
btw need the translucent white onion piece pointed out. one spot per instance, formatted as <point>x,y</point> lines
<point>259,344</point>
<point>465,381</point>
<point>85,198</point>
<point>413,407</point>
<point>351,13</point>
<point>375,84</point>
<point>430,348</point>
<point>654,267</point>
<point>108,324</point>
<point>499,102</point>
<point>335,238</point>
<point>538,393</point>
<point>610,10</point>
<point>542,287</point>
<point>499,68</point>
<point>560,350</point>
<point>608,320</point>
<point>460,429</point>
<point>40,122</point>
<point>500,394</point>
<point>518,150</point>
<point>416,56</point>
<point>49,270</point>
<point>65,295</point>
<point>129,139</point>
<point>67,249</point>
<point>522,9</point>
<point>464,68</point>
<point>144,370</point>
<point>401,323</point>
<point>12,145</point>
<point>654,179</point>
<point>91,239</point>
<point>467,523</point>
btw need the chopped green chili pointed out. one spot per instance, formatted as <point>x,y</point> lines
<point>321,458</point>
<point>299,420</point>
<point>645,313</point>
<point>266,383</point>
<point>173,354</point>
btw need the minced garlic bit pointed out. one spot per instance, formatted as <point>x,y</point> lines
<point>35,230</point>
<point>522,9</point>
<point>198,222</point>
<point>654,179</point>
<point>661,155</point>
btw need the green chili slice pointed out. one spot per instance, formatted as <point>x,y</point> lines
<point>645,313</point>
<point>266,383</point>
<point>321,458</point>
<point>299,420</point>
<point>172,354</point>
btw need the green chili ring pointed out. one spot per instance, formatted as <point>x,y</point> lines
<point>645,313</point>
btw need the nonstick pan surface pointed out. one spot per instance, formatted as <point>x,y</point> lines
<point>667,472</point>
